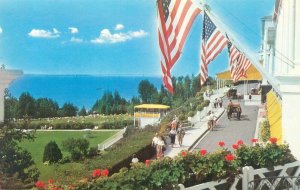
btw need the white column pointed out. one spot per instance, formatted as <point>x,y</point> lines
<point>290,89</point>
<point>6,77</point>
<point>291,32</point>
<point>278,45</point>
<point>297,33</point>
<point>285,44</point>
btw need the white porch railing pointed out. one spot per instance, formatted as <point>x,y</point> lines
<point>112,140</point>
<point>257,179</point>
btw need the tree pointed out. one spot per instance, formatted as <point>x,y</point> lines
<point>52,153</point>
<point>46,108</point>
<point>146,91</point>
<point>69,110</point>
<point>26,106</point>
<point>16,164</point>
<point>10,110</point>
<point>82,112</point>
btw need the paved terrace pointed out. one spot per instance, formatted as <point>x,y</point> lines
<point>229,131</point>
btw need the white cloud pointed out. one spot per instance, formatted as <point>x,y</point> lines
<point>106,37</point>
<point>38,33</point>
<point>138,34</point>
<point>1,30</point>
<point>76,40</point>
<point>119,27</point>
<point>73,30</point>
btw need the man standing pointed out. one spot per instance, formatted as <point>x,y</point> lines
<point>180,134</point>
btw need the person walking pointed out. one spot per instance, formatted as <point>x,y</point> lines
<point>220,101</point>
<point>229,109</point>
<point>172,134</point>
<point>160,148</point>
<point>154,140</point>
<point>211,121</point>
<point>180,134</point>
<point>238,112</point>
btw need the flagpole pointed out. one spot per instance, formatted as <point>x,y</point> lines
<point>274,82</point>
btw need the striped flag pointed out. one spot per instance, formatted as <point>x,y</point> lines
<point>234,54</point>
<point>175,18</point>
<point>243,64</point>
<point>213,42</point>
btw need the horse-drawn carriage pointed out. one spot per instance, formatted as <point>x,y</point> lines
<point>234,109</point>
<point>232,93</point>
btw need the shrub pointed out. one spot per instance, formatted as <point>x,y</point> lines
<point>264,130</point>
<point>77,147</point>
<point>191,113</point>
<point>93,151</point>
<point>65,159</point>
<point>52,153</point>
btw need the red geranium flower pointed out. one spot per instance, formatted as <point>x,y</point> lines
<point>235,146</point>
<point>183,153</point>
<point>40,185</point>
<point>273,140</point>
<point>221,144</point>
<point>254,140</point>
<point>105,172</point>
<point>203,152</point>
<point>240,142</point>
<point>97,173</point>
<point>50,181</point>
<point>147,162</point>
<point>229,157</point>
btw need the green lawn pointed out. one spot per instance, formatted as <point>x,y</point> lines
<point>36,148</point>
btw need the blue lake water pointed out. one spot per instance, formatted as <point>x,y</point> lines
<point>81,90</point>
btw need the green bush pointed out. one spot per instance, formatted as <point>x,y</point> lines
<point>191,113</point>
<point>77,147</point>
<point>64,160</point>
<point>93,151</point>
<point>52,153</point>
<point>265,131</point>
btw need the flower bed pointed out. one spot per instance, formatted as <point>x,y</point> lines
<point>191,168</point>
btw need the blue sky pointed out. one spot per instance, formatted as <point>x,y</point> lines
<point>110,37</point>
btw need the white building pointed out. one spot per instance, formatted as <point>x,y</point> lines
<point>281,57</point>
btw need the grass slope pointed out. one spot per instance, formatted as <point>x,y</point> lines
<point>36,148</point>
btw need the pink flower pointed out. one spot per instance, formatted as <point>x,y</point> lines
<point>229,157</point>
<point>254,140</point>
<point>203,152</point>
<point>147,162</point>
<point>235,146</point>
<point>105,172</point>
<point>273,140</point>
<point>40,185</point>
<point>221,144</point>
<point>183,153</point>
<point>240,142</point>
<point>97,173</point>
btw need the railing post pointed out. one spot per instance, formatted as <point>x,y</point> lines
<point>247,177</point>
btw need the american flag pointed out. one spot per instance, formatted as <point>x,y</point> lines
<point>234,54</point>
<point>243,64</point>
<point>175,18</point>
<point>213,42</point>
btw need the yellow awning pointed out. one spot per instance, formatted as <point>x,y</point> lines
<point>252,74</point>
<point>152,106</point>
<point>274,114</point>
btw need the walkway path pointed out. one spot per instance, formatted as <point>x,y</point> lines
<point>230,131</point>
<point>193,134</point>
